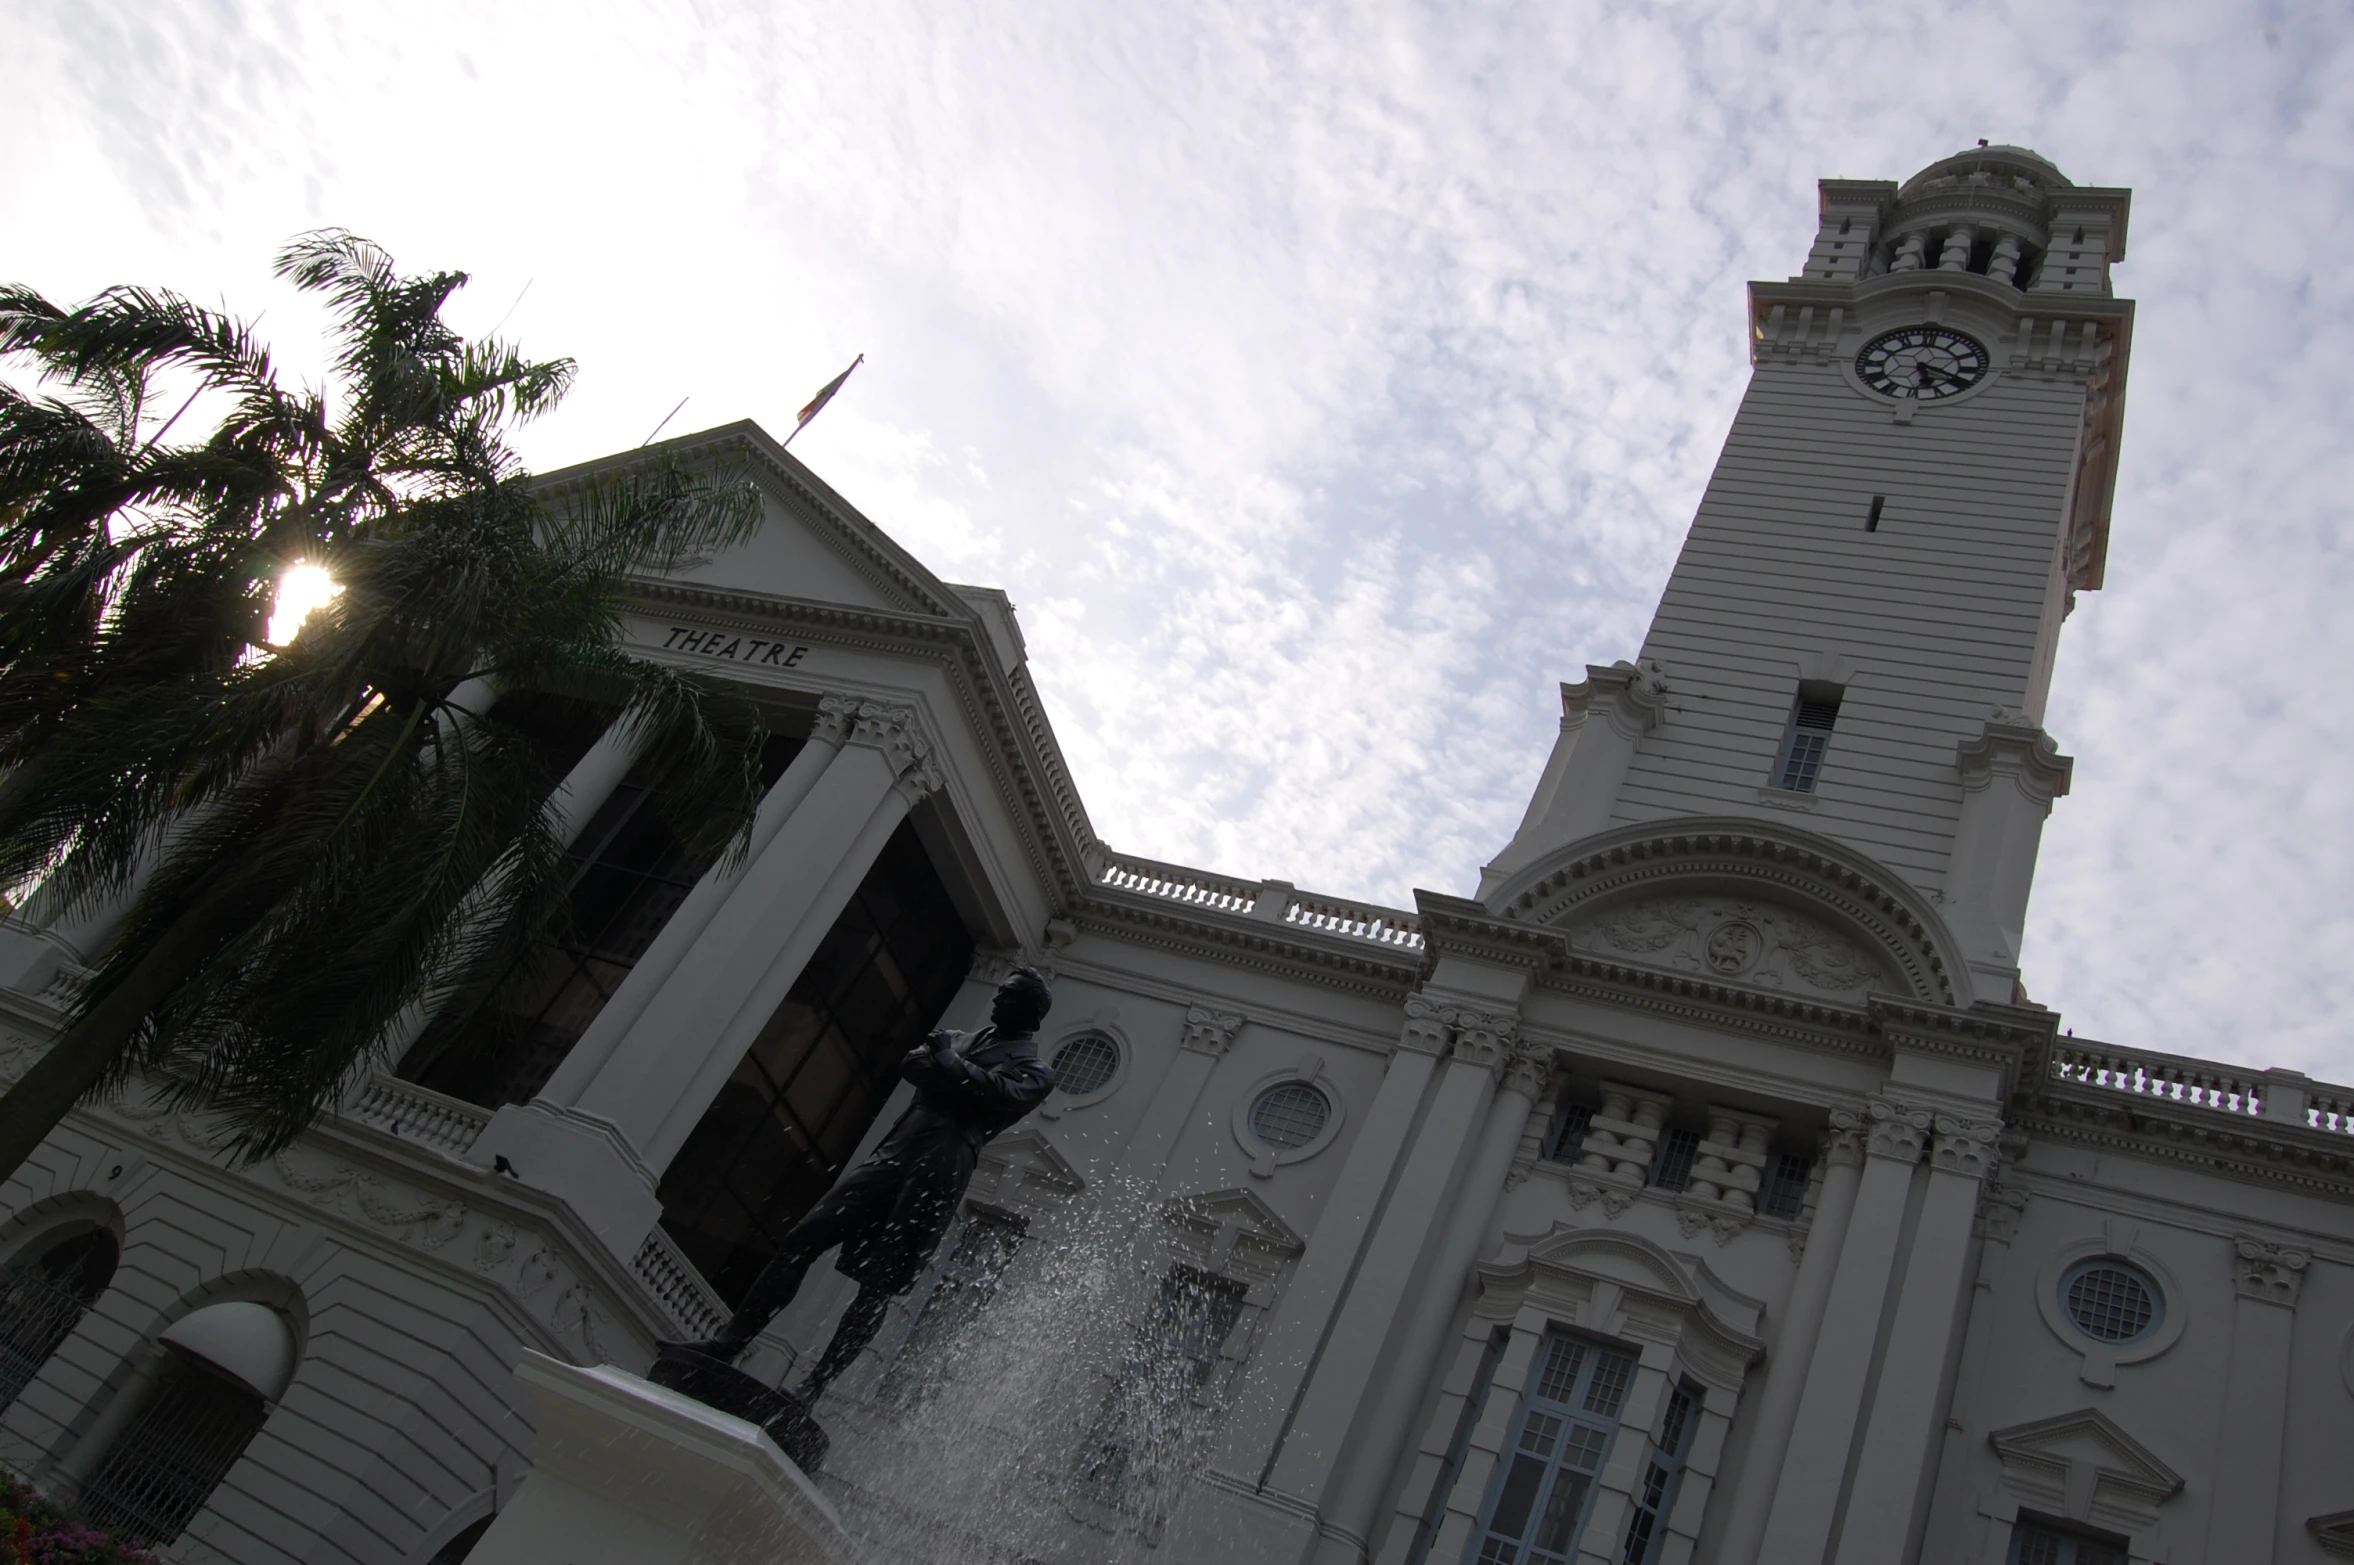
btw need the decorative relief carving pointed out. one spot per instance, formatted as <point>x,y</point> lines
<point>2274,1273</point>
<point>1210,1032</point>
<point>1965,1146</point>
<point>1735,938</point>
<point>1898,1130</point>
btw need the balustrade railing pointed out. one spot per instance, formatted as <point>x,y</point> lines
<point>2174,1078</point>
<point>1359,921</point>
<point>407,1110</point>
<point>1224,894</point>
<point>678,1287</point>
<point>1198,888</point>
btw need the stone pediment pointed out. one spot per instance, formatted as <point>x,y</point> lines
<point>1765,906</point>
<point>1233,1233</point>
<point>1020,1163</point>
<point>1736,939</point>
<point>2083,1466</point>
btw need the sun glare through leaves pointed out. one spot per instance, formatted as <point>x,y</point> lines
<point>302,589</point>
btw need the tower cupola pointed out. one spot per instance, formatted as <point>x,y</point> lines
<point>1999,212</point>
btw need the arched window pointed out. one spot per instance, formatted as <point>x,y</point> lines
<point>44,1289</point>
<point>227,1364</point>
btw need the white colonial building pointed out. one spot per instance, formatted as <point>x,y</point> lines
<point>1696,1182</point>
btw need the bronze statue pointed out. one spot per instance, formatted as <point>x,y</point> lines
<point>890,1212</point>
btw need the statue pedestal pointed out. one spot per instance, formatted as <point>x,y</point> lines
<point>628,1473</point>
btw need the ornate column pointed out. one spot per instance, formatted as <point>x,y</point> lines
<point>2243,1520</point>
<point>1907,1411</point>
<point>1208,1034</point>
<point>835,716</point>
<point>1332,1436</point>
<point>614,1111</point>
<point>1830,1406</point>
<point>1794,1341</point>
<point>1296,1336</point>
<point>1523,1073</point>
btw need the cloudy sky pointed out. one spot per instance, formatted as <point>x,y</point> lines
<point>1327,382</point>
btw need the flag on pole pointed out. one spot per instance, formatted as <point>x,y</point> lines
<point>816,404</point>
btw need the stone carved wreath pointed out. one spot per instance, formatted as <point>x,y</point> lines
<point>1736,939</point>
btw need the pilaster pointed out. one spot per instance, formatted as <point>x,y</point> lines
<point>1207,1035</point>
<point>1892,1466</point>
<point>2010,775</point>
<point>2243,1518</point>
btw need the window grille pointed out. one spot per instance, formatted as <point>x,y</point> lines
<point>2041,1543</point>
<point>1537,1502</point>
<point>163,1468</point>
<point>1811,721</point>
<point>1084,1064</point>
<point>1671,1165</point>
<point>1140,1433</point>
<point>1289,1114</point>
<point>1442,1487</point>
<point>2110,1301</point>
<point>1569,1132</point>
<point>1660,1473</point>
<point>44,1291</point>
<point>968,1281</point>
<point>1784,1193</point>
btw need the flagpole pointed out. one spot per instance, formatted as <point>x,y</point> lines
<point>816,404</point>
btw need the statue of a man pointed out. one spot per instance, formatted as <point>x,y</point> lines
<point>890,1212</point>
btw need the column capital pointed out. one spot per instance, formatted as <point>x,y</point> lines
<point>1965,1146</point>
<point>836,716</point>
<point>1843,1143</point>
<point>898,732</point>
<point>920,780</point>
<point>1896,1130</point>
<point>1528,1070</point>
<point>1484,1038</point>
<point>2273,1273</point>
<point>1209,1032</point>
<point>1426,1030</point>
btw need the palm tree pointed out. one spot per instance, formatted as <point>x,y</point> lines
<point>331,830</point>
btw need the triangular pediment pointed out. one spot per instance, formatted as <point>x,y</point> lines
<point>1023,1159</point>
<point>1233,1234</point>
<point>2334,1532</point>
<point>813,546</point>
<point>2082,1465</point>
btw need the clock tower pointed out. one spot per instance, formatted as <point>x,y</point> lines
<point>1858,637</point>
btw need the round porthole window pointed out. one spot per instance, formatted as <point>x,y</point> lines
<point>1289,1114</point>
<point>1085,1064</point>
<point>2110,1301</point>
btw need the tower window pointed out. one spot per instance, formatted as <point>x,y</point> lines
<point>1872,517</point>
<point>1811,720</point>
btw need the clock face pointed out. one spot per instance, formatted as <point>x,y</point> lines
<point>1922,363</point>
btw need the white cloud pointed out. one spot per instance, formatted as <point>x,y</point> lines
<point>1327,381</point>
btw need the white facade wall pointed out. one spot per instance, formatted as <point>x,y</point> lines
<point>1669,941</point>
